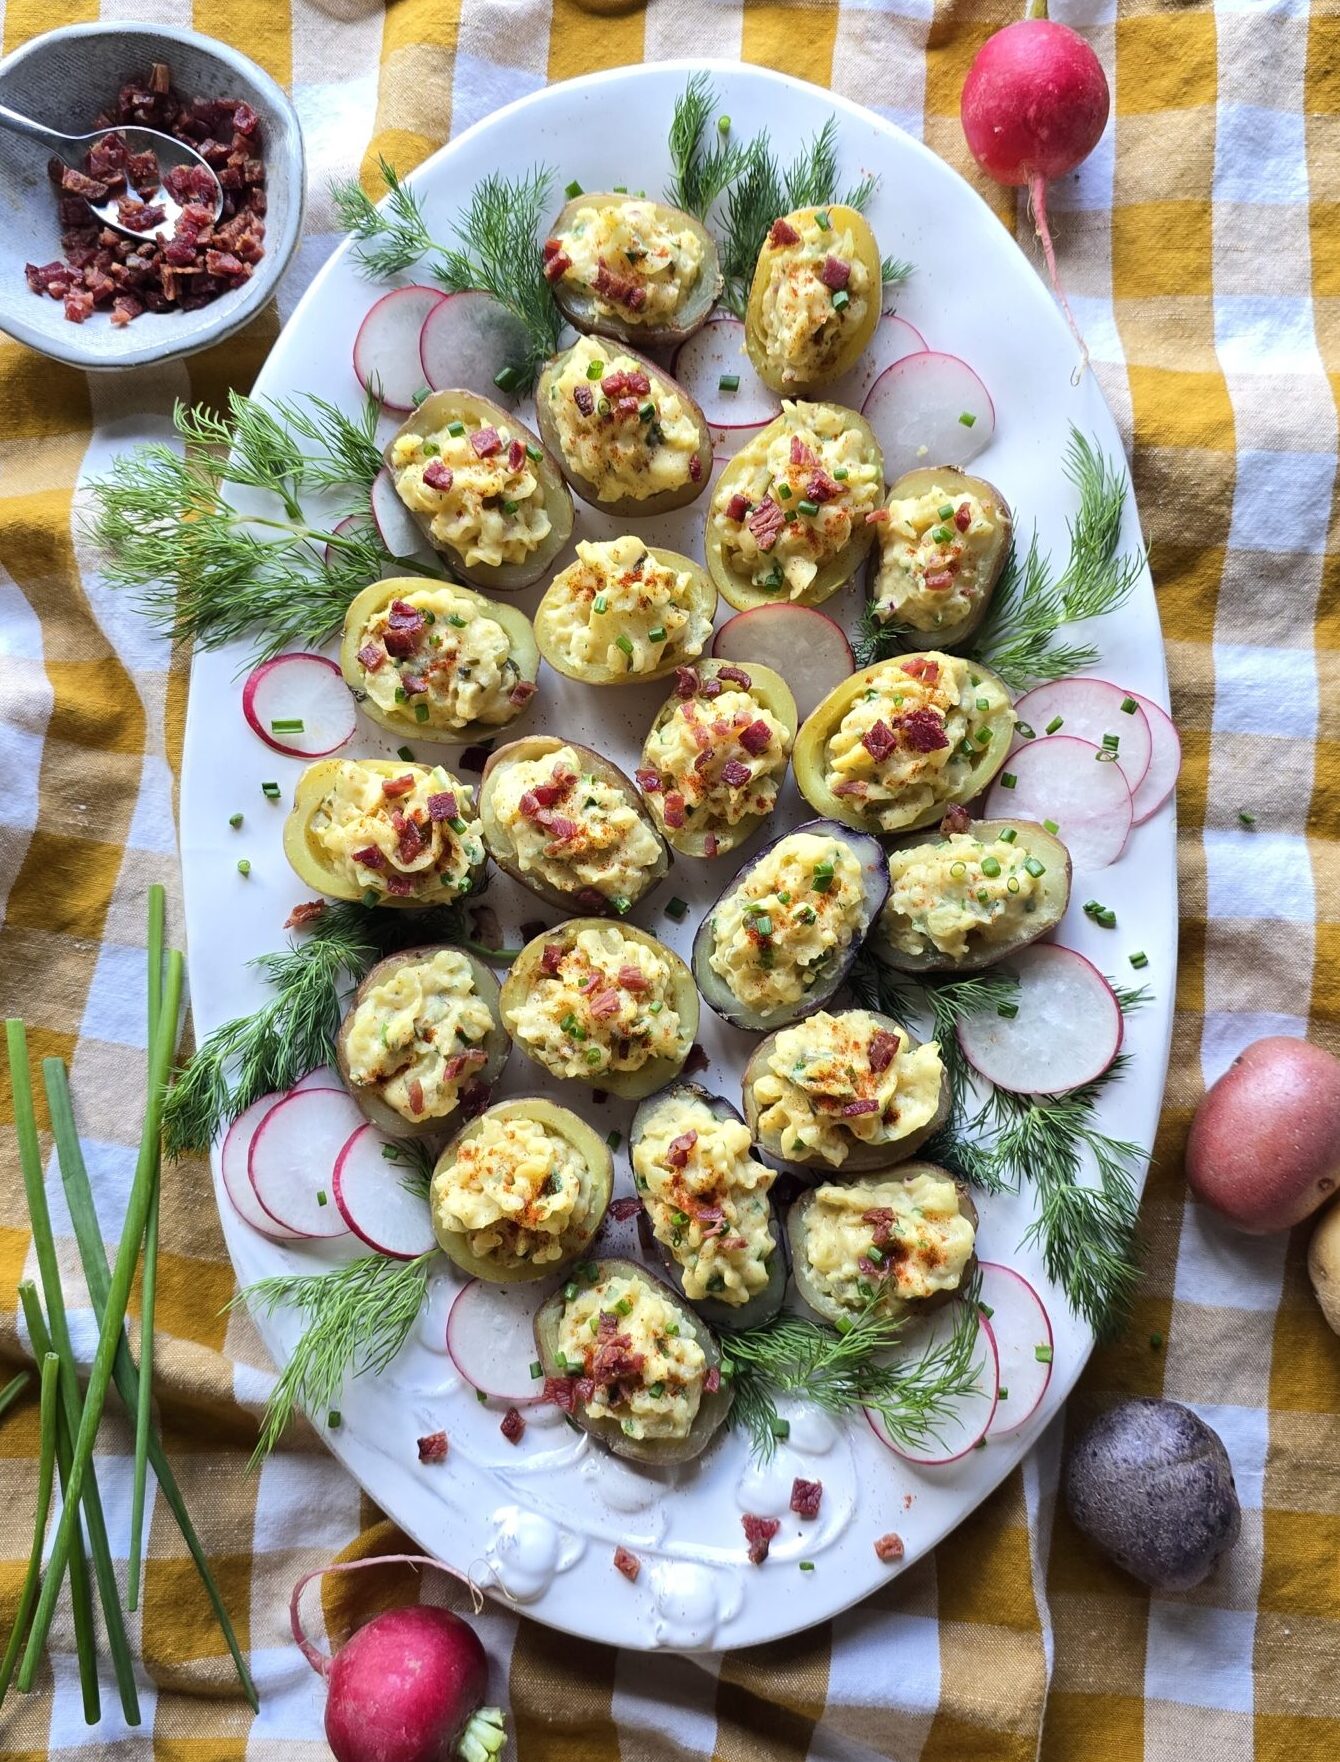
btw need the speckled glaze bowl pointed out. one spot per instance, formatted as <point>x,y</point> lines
<point>64,79</point>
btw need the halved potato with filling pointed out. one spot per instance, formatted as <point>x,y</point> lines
<point>815,298</point>
<point>625,612</point>
<point>436,661</point>
<point>626,267</point>
<point>943,540</point>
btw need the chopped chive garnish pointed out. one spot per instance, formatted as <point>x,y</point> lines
<point>783,492</point>
<point>406,753</point>
<point>807,507</point>
<point>1128,704</point>
<point>270,791</point>
<point>1246,818</point>
<point>573,189</point>
<point>968,419</point>
<point>841,300</point>
<point>333,1419</point>
<point>1002,1393</point>
<point>1034,867</point>
<point>723,125</point>
<point>457,622</point>
<point>841,474</point>
<point>1055,723</point>
<point>243,867</point>
<point>1025,731</point>
<point>729,382</point>
<point>624,642</point>
<point>983,737</point>
<point>286,725</point>
<point>1007,1010</point>
<point>958,870</point>
<point>990,867</point>
<point>534,453</point>
<point>1008,836</point>
<point>806,1565</point>
<point>595,369</point>
<point>614,1139</point>
<point>536,1370</point>
<point>982,704</point>
<point>1043,1354</point>
<point>986,1310</point>
<point>1139,959</point>
<point>1156,1340</point>
<point>621,904</point>
<point>1008,780</point>
<point>569,1292</point>
<point>321,1196</point>
<point>510,507</point>
<point>945,513</point>
<point>646,411</point>
<point>1112,742</point>
<point>234,820</point>
<point>506,378</point>
<point>676,908</point>
<point>370,896</point>
<point>421,712</point>
<point>600,603</point>
<point>1050,826</point>
<point>656,635</point>
<point>456,428</point>
<point>780,1428</point>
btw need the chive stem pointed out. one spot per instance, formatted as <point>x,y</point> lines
<point>46,1474</point>
<point>13,1389</point>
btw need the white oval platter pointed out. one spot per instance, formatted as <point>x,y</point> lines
<point>538,1522</point>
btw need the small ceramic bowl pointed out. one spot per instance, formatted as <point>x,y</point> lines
<point>65,79</point>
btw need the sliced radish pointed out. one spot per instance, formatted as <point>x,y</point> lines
<point>386,349</point>
<point>347,528</point>
<point>374,1200</point>
<point>1090,709</point>
<point>1165,761</point>
<point>394,523</point>
<point>233,1167</point>
<point>491,1338</point>
<point>894,340</point>
<point>293,1157</point>
<point>699,365</point>
<point>1024,1345</point>
<point>806,647</point>
<point>323,1077</point>
<point>466,341</point>
<point>1066,1029</point>
<point>299,705</point>
<point>966,1424</point>
<point>929,409</point>
<point>1061,781</point>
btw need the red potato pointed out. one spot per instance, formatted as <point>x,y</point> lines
<point>1264,1149</point>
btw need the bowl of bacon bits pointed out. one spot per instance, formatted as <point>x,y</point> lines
<point>174,276</point>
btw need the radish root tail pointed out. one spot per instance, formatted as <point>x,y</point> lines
<point>321,1661</point>
<point>1037,202</point>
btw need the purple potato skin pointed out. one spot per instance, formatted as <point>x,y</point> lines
<point>1151,1485</point>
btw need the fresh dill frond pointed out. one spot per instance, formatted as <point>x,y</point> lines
<point>358,1317</point>
<point>1032,603</point>
<point>894,271</point>
<point>842,1372</point>
<point>873,640</point>
<point>704,167</point>
<point>391,234</point>
<point>1131,997</point>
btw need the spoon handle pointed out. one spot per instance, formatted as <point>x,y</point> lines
<point>35,131</point>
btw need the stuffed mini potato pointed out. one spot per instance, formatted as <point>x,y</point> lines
<point>633,1366</point>
<point>971,894</point>
<point>481,488</point>
<point>604,1004</point>
<point>568,824</point>
<point>385,831</point>
<point>943,539</point>
<point>851,1091</point>
<point>520,1192</point>
<point>626,267</point>
<point>628,439</point>
<point>815,298</point>
<point>436,661</point>
<point>896,744</point>
<point>625,612</point>
<point>715,757</point>
<point>705,1194</point>
<point>422,1031</point>
<point>899,1242</point>
<point>788,518</point>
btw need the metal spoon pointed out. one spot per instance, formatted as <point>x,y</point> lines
<point>169,152</point>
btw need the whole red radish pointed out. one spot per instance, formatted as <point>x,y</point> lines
<point>408,1687</point>
<point>1033,107</point>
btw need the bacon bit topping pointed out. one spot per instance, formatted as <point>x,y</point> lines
<point>938,580</point>
<point>783,233</point>
<point>963,517</point>
<point>433,1448</point>
<point>306,913</point>
<point>371,656</point>
<point>850,786</point>
<point>411,842</point>
<point>550,248</point>
<point>401,885</point>
<point>395,786</point>
<point>755,738</point>
<point>736,508</point>
<point>370,858</point>
<point>560,828</point>
<point>736,675</point>
<point>923,731</point>
<point>696,468</point>
<point>735,774</point>
<point>453,1066</point>
<point>852,1110</point>
<point>516,455</point>
<point>614,1360</point>
<point>560,1392</point>
<point>801,454</point>
<point>712,688</point>
<point>758,1532</point>
<point>619,288</point>
<point>621,384</point>
<point>522,692</point>
<point>605,1003</point>
<point>877,516</point>
<point>584,399</point>
<point>438,476</point>
<point>766,523</point>
<point>712,1380</point>
<point>805,1497</point>
<point>835,273</point>
<point>883,1046</point>
<point>485,442</point>
<point>956,819</point>
<point>403,616</point>
<point>686,681</point>
<point>822,488</point>
<point>442,806</point>
<point>414,1093</point>
<point>889,1548</point>
<point>710,844</point>
<point>919,667</point>
<point>677,1151</point>
<point>633,978</point>
<point>551,958</point>
<point>592,898</point>
<point>513,1427</point>
<point>880,1219</point>
<point>627,1563</point>
<point>622,1209</point>
<point>879,741</point>
<point>556,262</point>
<point>647,779</point>
<point>673,811</point>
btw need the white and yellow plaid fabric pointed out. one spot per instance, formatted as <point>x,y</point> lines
<point>1201,244</point>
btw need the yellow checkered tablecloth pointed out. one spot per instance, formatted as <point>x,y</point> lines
<point>1201,244</point>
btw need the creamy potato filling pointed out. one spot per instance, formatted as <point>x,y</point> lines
<point>626,433</point>
<point>707,1198</point>
<point>413,832</point>
<point>477,484</point>
<point>933,554</point>
<point>780,930</point>
<point>600,1001</point>
<point>643,1362</point>
<point>627,260</point>
<point>817,293</point>
<point>912,738</point>
<point>433,654</point>
<point>572,828</point>
<point>957,892</point>
<point>837,1079</point>
<point>619,609</point>
<point>886,1241</point>
<point>714,761</point>
<point>418,1036</point>
<point>517,1191</point>
<point>795,497</point>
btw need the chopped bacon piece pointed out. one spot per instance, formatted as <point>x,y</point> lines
<point>627,1563</point>
<point>551,957</point>
<point>443,806</point>
<point>400,885</point>
<point>963,517</point>
<point>696,469</point>
<point>920,667</point>
<point>889,1548</point>
<point>522,692</point>
<point>371,656</point>
<point>879,740</point>
<point>883,1046</point>
<point>592,898</point>
<point>411,843</point>
<point>605,1003</point>
<point>956,819</point>
<point>835,273</point>
<point>633,978</point>
<point>438,476</point>
<point>923,731</point>
<point>758,1532</point>
<point>939,580</point>
<point>485,442</point>
<point>559,827</point>
<point>869,1270</point>
<point>712,1380</point>
<point>850,786</point>
<point>622,385</point>
<point>516,454</point>
<point>673,810</point>
<point>619,288</point>
<point>736,508</point>
<point>550,248</point>
<point>614,1361</point>
<point>400,642</point>
<point>736,675</point>
<point>735,774</point>
<point>710,844</point>
<point>877,516</point>
<point>677,1151</point>
<point>805,1497</point>
<point>801,454</point>
<point>783,233</point>
<point>686,681</point>
<point>414,1094</point>
<point>766,523</point>
<point>395,786</point>
<point>755,739</point>
<point>822,488</point>
<point>78,183</point>
<point>647,779</point>
<point>560,1392</point>
<point>370,858</point>
<point>513,1427</point>
<point>852,1110</point>
<point>584,398</point>
<point>305,913</point>
<point>558,265</point>
<point>880,1219</point>
<point>622,1209</point>
<point>433,1448</point>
